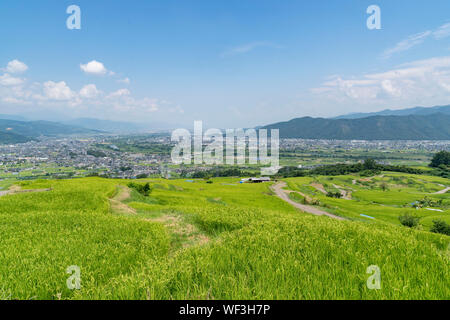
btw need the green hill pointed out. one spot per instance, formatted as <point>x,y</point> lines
<point>12,138</point>
<point>412,127</point>
<point>13,131</point>
<point>203,241</point>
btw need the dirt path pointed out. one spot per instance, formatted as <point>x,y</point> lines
<point>184,234</point>
<point>116,202</point>
<point>369,179</point>
<point>17,190</point>
<point>123,194</point>
<point>319,187</point>
<point>284,195</point>
<point>308,198</point>
<point>443,191</point>
<point>347,195</point>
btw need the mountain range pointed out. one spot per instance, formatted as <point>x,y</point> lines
<point>407,124</point>
<point>13,131</point>
<point>117,126</point>
<point>411,127</point>
<point>418,111</point>
<point>106,125</point>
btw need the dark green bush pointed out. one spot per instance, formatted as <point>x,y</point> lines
<point>440,158</point>
<point>143,189</point>
<point>440,226</point>
<point>369,173</point>
<point>409,220</point>
<point>337,195</point>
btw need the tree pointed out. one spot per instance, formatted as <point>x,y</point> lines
<point>370,164</point>
<point>146,189</point>
<point>440,158</point>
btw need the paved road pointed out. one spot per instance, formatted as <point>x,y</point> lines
<point>284,195</point>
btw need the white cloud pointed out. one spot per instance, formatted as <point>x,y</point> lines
<point>89,91</point>
<point>177,109</point>
<point>60,95</point>
<point>248,47</point>
<point>388,87</point>
<point>58,91</point>
<point>416,39</point>
<point>16,66</point>
<point>120,93</point>
<point>94,67</point>
<point>125,80</point>
<point>15,91</point>
<point>409,84</point>
<point>7,80</point>
<point>146,104</point>
<point>407,43</point>
<point>12,100</point>
<point>124,102</point>
<point>442,32</point>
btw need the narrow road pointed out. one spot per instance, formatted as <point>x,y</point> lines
<point>284,195</point>
<point>443,191</point>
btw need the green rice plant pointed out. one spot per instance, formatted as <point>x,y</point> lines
<point>255,247</point>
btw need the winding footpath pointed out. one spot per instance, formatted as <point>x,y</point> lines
<point>443,191</point>
<point>284,195</point>
<point>117,206</point>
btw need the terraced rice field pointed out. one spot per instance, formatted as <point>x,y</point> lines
<point>384,197</point>
<point>194,240</point>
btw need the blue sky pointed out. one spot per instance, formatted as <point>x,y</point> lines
<point>228,63</point>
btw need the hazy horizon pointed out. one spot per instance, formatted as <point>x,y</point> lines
<point>165,125</point>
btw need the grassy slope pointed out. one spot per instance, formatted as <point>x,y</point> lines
<point>44,233</point>
<point>259,247</point>
<point>370,199</point>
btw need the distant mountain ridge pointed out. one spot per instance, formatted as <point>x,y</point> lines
<point>117,126</point>
<point>105,125</point>
<point>12,117</point>
<point>13,131</point>
<point>411,127</point>
<point>418,111</point>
